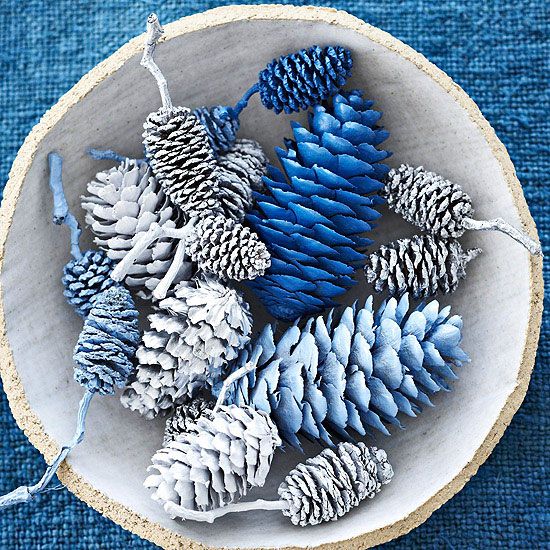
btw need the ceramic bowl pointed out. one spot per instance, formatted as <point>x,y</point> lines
<point>211,58</point>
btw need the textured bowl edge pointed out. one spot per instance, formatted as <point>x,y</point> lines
<point>29,422</point>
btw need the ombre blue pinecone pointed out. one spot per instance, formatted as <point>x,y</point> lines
<point>316,210</point>
<point>221,125</point>
<point>104,353</point>
<point>353,373</point>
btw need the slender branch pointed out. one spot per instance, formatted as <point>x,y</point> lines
<point>109,154</point>
<point>243,102</point>
<point>25,493</point>
<point>154,33</point>
<point>61,212</point>
<point>498,224</point>
<point>179,511</point>
<point>164,285</point>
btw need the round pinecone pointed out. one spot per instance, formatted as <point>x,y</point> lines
<point>330,484</point>
<point>221,126</point>
<point>184,417</point>
<point>304,78</point>
<point>428,201</point>
<point>240,172</point>
<point>85,278</point>
<point>422,265</point>
<point>227,249</point>
<point>179,152</point>
<point>216,461</point>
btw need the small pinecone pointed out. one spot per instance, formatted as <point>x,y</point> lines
<point>179,152</point>
<point>329,485</point>
<point>106,346</point>
<point>428,201</point>
<point>240,172</point>
<point>221,126</point>
<point>184,417</point>
<point>422,265</point>
<point>85,278</point>
<point>227,249</point>
<point>305,78</point>
<point>216,461</point>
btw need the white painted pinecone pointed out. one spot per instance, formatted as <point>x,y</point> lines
<point>185,416</point>
<point>216,461</point>
<point>329,485</point>
<point>121,205</point>
<point>227,249</point>
<point>193,334</point>
<point>240,172</point>
<point>178,149</point>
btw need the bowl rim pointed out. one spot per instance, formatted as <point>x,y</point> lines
<point>28,420</point>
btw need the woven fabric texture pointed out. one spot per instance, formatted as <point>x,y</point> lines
<point>497,50</point>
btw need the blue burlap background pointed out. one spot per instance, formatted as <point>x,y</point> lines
<point>496,50</point>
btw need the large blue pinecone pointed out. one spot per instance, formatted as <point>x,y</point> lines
<point>315,212</point>
<point>221,125</point>
<point>85,277</point>
<point>353,372</point>
<point>305,78</point>
<point>108,342</point>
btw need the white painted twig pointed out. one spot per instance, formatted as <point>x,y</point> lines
<point>183,513</point>
<point>498,224</point>
<point>164,285</point>
<point>154,32</point>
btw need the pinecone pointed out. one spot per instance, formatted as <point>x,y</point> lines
<point>193,335</point>
<point>184,417</point>
<point>428,201</point>
<point>179,152</point>
<point>317,210</point>
<point>84,278</point>
<point>423,266</point>
<point>107,344</point>
<point>122,204</point>
<point>330,484</point>
<point>221,125</point>
<point>227,249</point>
<point>351,373</point>
<point>216,461</point>
<point>305,78</point>
<point>240,172</point>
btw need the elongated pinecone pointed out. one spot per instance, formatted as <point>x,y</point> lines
<point>180,155</point>
<point>221,125</point>
<point>216,461</point>
<point>423,265</point>
<point>428,200</point>
<point>240,172</point>
<point>185,416</point>
<point>227,249</point>
<point>121,205</point>
<point>305,78</point>
<point>329,485</point>
<point>84,278</point>
<point>350,373</point>
<point>193,334</point>
<point>106,346</point>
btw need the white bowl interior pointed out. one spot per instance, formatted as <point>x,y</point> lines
<point>215,66</point>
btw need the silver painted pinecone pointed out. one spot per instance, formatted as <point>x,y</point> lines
<point>423,265</point>
<point>330,484</point>
<point>240,172</point>
<point>193,334</point>
<point>216,462</point>
<point>227,249</point>
<point>427,200</point>
<point>120,207</point>
<point>185,416</point>
<point>180,154</point>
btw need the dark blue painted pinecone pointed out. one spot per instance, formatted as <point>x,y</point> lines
<point>315,212</point>
<point>86,277</point>
<point>221,125</point>
<point>305,78</point>
<point>108,342</point>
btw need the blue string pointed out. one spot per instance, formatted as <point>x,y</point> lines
<point>61,212</point>
<point>25,493</point>
<point>245,99</point>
